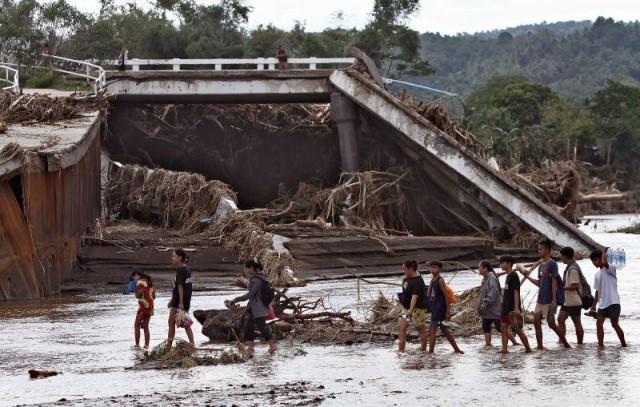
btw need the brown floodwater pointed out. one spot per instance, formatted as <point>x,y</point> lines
<point>88,338</point>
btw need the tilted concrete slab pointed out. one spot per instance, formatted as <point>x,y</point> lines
<point>49,146</point>
<point>288,86</point>
<point>499,192</point>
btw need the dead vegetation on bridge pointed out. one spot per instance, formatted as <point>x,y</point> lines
<point>29,109</point>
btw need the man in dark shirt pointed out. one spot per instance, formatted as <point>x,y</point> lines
<point>181,295</point>
<point>511,316</point>
<point>414,304</point>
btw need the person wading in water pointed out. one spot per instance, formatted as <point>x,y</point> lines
<point>550,294</point>
<point>146,294</point>
<point>414,304</point>
<point>490,302</point>
<point>260,295</point>
<point>181,296</point>
<point>438,304</point>
<point>511,312</point>
<point>572,307</point>
<point>607,297</point>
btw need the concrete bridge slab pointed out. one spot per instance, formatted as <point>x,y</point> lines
<point>290,86</point>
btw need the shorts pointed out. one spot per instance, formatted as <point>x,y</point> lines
<point>611,312</point>
<point>418,317</point>
<point>548,311</point>
<point>572,311</point>
<point>512,321</point>
<point>486,325</point>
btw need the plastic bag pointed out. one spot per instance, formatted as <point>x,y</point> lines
<point>183,320</point>
<point>272,313</point>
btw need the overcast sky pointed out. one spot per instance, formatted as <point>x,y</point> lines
<point>444,16</point>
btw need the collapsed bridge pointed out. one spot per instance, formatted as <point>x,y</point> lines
<point>451,190</point>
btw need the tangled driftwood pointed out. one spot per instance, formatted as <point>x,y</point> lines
<point>42,108</point>
<point>189,203</point>
<point>182,355</point>
<point>175,199</point>
<point>370,200</point>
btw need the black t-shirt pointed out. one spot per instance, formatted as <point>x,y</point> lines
<point>414,286</point>
<point>183,276</point>
<point>512,284</point>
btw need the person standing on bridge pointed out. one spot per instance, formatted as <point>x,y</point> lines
<point>122,59</point>
<point>282,55</point>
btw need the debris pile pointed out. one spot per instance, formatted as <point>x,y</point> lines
<point>174,199</point>
<point>37,108</point>
<point>182,355</point>
<point>189,203</point>
<point>311,322</point>
<point>371,200</point>
<point>562,184</point>
<point>440,118</point>
<point>244,233</point>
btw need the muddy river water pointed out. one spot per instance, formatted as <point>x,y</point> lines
<point>88,338</point>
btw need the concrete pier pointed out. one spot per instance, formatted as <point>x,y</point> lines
<point>344,114</point>
<point>49,195</point>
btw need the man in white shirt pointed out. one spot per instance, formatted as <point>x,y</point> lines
<point>606,286</point>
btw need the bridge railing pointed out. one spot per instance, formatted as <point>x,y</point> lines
<point>220,64</point>
<point>93,73</point>
<point>11,76</point>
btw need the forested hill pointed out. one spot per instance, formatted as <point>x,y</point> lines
<point>575,64</point>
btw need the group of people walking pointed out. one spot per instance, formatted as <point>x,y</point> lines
<point>428,307</point>
<point>501,308</point>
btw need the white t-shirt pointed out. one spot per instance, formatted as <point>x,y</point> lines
<point>606,283</point>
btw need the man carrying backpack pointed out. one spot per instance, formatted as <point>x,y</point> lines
<point>260,296</point>
<point>573,294</point>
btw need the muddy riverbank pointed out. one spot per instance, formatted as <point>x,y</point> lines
<point>88,338</point>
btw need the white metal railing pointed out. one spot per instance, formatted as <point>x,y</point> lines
<point>91,72</point>
<point>219,64</point>
<point>11,76</point>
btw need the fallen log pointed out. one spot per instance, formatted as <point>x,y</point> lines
<point>605,197</point>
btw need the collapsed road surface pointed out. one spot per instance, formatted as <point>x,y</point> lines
<point>428,183</point>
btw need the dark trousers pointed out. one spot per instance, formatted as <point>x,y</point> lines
<point>261,324</point>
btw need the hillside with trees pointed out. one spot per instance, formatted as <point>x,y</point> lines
<point>573,63</point>
<point>531,93</point>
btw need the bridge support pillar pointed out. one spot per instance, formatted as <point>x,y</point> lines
<point>343,112</point>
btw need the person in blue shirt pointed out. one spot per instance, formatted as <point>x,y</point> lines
<point>549,294</point>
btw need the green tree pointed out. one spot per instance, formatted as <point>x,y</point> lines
<point>390,42</point>
<point>615,110</point>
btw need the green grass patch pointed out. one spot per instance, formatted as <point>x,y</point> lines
<point>51,80</point>
<point>635,228</point>
<point>41,81</point>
